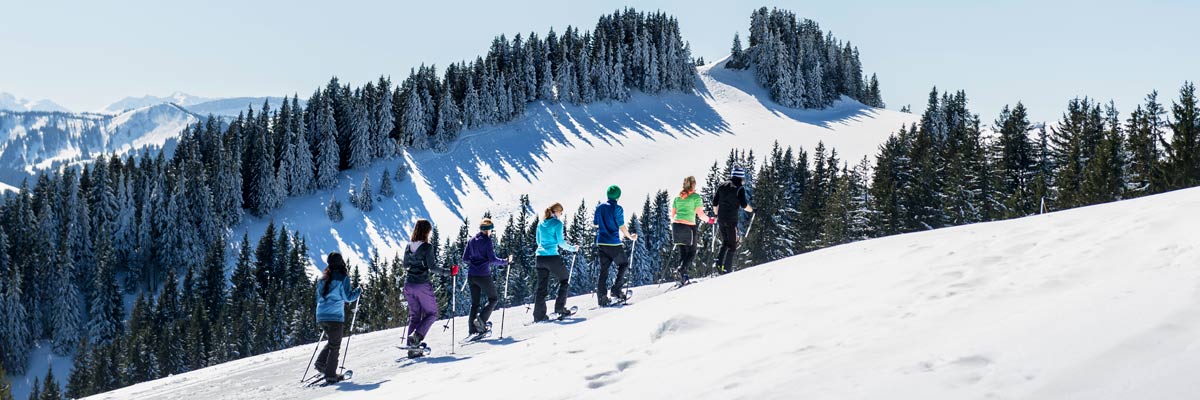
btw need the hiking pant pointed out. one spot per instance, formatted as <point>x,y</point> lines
<point>327,361</point>
<point>422,307</point>
<point>546,266</point>
<point>609,255</point>
<point>729,244</point>
<point>481,285</point>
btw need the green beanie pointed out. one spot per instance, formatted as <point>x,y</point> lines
<point>614,192</point>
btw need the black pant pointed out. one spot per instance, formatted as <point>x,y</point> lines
<point>685,246</point>
<point>729,243</point>
<point>609,255</point>
<point>481,285</point>
<point>546,266</point>
<point>327,361</point>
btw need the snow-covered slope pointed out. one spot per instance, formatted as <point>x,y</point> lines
<point>231,107</point>
<point>1092,303</point>
<point>12,103</point>
<point>130,103</point>
<point>39,140</point>
<point>563,153</point>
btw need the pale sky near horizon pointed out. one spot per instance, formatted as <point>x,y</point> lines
<point>85,55</point>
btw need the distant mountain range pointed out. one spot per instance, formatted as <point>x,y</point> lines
<point>11,102</point>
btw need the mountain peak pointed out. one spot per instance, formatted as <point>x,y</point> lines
<point>177,97</point>
<point>8,101</point>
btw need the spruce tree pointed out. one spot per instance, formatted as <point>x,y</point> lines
<point>106,309</point>
<point>385,184</point>
<point>360,137</point>
<point>51,390</point>
<point>1183,152</point>
<point>326,156</point>
<point>65,305</point>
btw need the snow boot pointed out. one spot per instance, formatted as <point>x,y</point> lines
<point>480,326</point>
<point>414,341</point>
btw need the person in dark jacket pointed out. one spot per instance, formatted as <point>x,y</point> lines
<point>610,228</point>
<point>480,257</point>
<point>333,292</point>
<point>728,200</point>
<point>419,263</point>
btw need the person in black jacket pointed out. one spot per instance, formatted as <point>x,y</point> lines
<point>419,262</point>
<point>727,201</point>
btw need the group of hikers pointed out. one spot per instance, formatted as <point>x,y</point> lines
<point>419,262</point>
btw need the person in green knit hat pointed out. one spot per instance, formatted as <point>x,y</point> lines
<point>609,220</point>
<point>685,209</point>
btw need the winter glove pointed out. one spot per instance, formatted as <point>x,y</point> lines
<point>453,270</point>
<point>712,220</point>
<point>357,291</point>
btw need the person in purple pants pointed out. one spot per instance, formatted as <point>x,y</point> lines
<point>420,262</point>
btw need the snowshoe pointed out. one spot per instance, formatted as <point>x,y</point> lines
<point>563,314</point>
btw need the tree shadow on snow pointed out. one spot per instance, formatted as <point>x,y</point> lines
<point>519,149</point>
<point>842,111</point>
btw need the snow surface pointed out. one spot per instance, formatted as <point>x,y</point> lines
<point>1091,303</point>
<point>231,107</point>
<point>568,154</point>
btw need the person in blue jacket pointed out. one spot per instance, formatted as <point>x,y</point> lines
<point>548,261</point>
<point>610,228</point>
<point>333,292</point>
<point>480,257</point>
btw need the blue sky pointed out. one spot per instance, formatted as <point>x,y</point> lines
<point>85,55</point>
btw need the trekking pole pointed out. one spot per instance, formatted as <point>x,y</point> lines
<point>712,249</point>
<point>314,356</point>
<point>353,317</point>
<point>507,272</point>
<point>632,252</point>
<point>453,311</point>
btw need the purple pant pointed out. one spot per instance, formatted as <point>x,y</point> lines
<point>422,307</point>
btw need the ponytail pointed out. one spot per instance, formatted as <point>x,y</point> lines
<point>551,210</point>
<point>689,186</point>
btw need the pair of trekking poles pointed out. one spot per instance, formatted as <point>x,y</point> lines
<point>454,306</point>
<point>346,353</point>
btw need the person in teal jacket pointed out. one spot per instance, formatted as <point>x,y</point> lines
<point>549,240</point>
<point>333,292</point>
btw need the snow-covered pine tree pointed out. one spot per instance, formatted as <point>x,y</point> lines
<point>65,305</point>
<point>360,136</point>
<point>326,156</point>
<point>14,330</point>
<point>448,124</point>
<point>385,184</point>
<point>106,309</point>
<point>414,116</point>
<point>366,199</point>
<point>384,122</point>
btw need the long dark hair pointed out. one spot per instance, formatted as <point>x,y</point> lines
<point>336,264</point>
<point>421,231</point>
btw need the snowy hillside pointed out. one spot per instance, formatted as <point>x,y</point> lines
<point>12,103</point>
<point>39,140</point>
<point>568,154</point>
<point>1092,303</point>
<point>231,107</point>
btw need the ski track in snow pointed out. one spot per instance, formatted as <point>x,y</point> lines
<point>1100,302</point>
